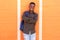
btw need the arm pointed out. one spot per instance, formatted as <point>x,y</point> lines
<point>33,20</point>
<point>25,18</point>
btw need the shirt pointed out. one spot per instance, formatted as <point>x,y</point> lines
<point>29,22</point>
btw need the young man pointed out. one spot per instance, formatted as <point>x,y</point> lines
<point>30,18</point>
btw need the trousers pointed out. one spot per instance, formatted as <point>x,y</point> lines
<point>29,36</point>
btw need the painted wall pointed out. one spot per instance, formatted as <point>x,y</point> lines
<point>51,19</point>
<point>8,20</point>
<point>24,7</point>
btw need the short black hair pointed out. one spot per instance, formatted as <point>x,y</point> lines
<point>32,3</point>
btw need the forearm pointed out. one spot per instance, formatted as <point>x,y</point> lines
<point>32,21</point>
<point>26,19</point>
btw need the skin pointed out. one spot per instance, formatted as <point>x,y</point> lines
<point>31,8</point>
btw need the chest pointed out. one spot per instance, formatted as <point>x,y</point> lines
<point>31,15</point>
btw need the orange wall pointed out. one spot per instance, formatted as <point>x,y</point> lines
<point>24,7</point>
<point>8,20</point>
<point>51,19</point>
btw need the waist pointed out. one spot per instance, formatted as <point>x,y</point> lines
<point>27,32</point>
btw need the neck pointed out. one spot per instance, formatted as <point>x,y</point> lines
<point>31,11</point>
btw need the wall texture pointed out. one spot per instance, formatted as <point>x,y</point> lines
<point>51,19</point>
<point>8,20</point>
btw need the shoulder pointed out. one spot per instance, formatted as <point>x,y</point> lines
<point>26,12</point>
<point>35,14</point>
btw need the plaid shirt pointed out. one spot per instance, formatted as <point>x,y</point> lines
<point>29,22</point>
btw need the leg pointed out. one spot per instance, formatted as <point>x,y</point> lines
<point>33,36</point>
<point>26,36</point>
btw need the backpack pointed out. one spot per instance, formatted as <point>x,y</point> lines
<point>22,25</point>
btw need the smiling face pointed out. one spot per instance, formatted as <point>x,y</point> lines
<point>31,7</point>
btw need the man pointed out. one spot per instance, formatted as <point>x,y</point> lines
<point>30,18</point>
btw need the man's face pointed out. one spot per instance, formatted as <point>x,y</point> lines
<point>31,7</point>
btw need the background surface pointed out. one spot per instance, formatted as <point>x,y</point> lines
<point>8,20</point>
<point>24,7</point>
<point>51,20</point>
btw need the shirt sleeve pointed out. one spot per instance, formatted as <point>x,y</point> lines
<point>33,20</point>
<point>25,18</point>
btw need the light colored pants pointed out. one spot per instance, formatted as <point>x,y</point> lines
<point>30,36</point>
